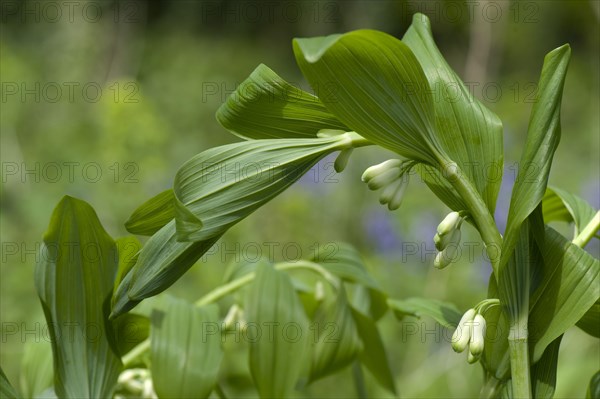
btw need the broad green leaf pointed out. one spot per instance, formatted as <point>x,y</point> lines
<point>37,374</point>
<point>470,134</point>
<point>265,106</point>
<point>6,389</point>
<point>152,215</point>
<point>220,186</point>
<point>128,248</point>
<point>186,350</point>
<point>444,313</point>
<point>277,332</point>
<point>543,373</point>
<point>593,391</point>
<point>373,355</point>
<point>590,322</point>
<point>542,139</point>
<point>373,83</point>
<point>74,280</point>
<point>570,286</point>
<point>161,262</point>
<point>336,340</point>
<point>564,206</point>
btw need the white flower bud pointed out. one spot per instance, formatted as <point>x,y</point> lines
<point>440,261</point>
<point>462,334</point>
<point>472,358</point>
<point>398,196</point>
<point>388,192</point>
<point>478,337</point>
<point>375,170</point>
<point>442,242</point>
<point>383,179</point>
<point>450,223</point>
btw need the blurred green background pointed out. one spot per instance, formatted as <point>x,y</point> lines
<point>104,100</point>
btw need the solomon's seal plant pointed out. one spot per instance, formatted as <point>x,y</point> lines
<point>372,89</point>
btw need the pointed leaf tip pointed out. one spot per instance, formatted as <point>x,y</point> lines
<point>314,47</point>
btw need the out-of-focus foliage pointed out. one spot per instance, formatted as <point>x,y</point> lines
<point>163,69</point>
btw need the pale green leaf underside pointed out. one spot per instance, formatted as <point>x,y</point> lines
<point>186,350</point>
<point>443,312</point>
<point>220,186</point>
<point>265,106</point>
<point>213,191</point>
<point>74,280</point>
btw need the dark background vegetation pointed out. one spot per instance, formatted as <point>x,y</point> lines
<point>106,100</point>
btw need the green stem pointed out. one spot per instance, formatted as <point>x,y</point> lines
<point>479,212</point>
<point>519,367</point>
<point>588,231</point>
<point>131,357</point>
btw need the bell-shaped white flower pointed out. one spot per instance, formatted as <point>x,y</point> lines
<point>376,170</point>
<point>450,223</point>
<point>462,334</point>
<point>477,339</point>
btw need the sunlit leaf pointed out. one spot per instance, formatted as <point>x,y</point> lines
<point>542,139</point>
<point>74,281</point>
<point>336,339</point>
<point>37,374</point>
<point>128,248</point>
<point>373,83</point>
<point>444,313</point>
<point>277,332</point>
<point>564,206</point>
<point>470,134</point>
<point>373,355</point>
<point>265,106</point>
<point>569,288</point>
<point>152,215</point>
<point>186,350</point>
<point>220,186</point>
